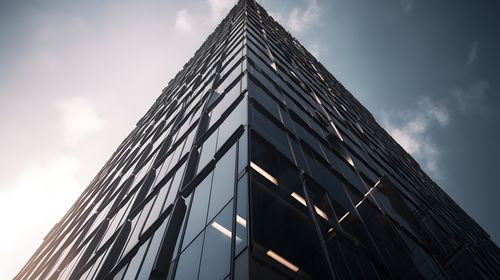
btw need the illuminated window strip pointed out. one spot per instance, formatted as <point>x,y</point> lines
<point>359,203</point>
<point>264,173</point>
<point>366,194</point>
<point>299,198</point>
<point>321,212</point>
<point>303,202</point>
<point>282,261</point>
<point>343,217</point>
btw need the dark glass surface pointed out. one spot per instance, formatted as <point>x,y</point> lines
<point>189,260</point>
<point>223,182</point>
<point>135,263</point>
<point>280,222</point>
<point>199,209</point>
<point>152,252</point>
<point>241,218</point>
<point>217,246</point>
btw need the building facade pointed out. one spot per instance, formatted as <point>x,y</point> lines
<point>256,163</point>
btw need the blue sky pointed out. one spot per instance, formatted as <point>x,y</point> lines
<point>75,76</point>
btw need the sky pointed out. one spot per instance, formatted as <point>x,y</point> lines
<point>75,77</point>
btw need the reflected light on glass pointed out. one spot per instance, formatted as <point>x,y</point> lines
<point>336,130</point>
<point>222,229</point>
<point>241,221</point>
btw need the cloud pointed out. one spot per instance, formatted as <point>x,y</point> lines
<point>433,111</point>
<point>79,118</point>
<point>196,17</point>
<point>300,19</point>
<point>413,133</point>
<point>277,16</point>
<point>219,8</point>
<point>473,55</point>
<point>183,21</point>
<point>42,192</point>
<point>471,99</point>
<point>316,49</point>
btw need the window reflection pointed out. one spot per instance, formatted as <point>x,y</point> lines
<point>216,249</point>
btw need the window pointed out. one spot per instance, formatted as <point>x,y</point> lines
<point>223,182</point>
<point>207,150</point>
<point>241,217</point>
<point>271,132</point>
<point>188,265</point>
<point>283,230</point>
<point>150,256</point>
<point>216,247</point>
<point>198,213</point>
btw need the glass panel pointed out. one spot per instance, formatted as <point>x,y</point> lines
<point>237,117</point>
<point>135,262</point>
<point>322,207</point>
<point>152,252</point>
<point>243,151</point>
<point>271,132</point>
<point>155,210</point>
<point>198,213</point>
<point>217,246</point>
<point>120,273</point>
<point>264,99</point>
<point>208,150</point>
<point>279,222</point>
<point>118,219</point>
<point>189,261</point>
<point>134,235</point>
<point>241,215</point>
<point>172,194</point>
<point>223,182</point>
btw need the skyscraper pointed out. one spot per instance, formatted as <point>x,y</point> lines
<point>256,163</point>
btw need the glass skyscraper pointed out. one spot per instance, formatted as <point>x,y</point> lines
<point>256,163</point>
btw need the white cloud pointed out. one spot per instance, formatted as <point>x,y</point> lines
<point>300,19</point>
<point>433,111</point>
<point>473,53</point>
<point>471,99</point>
<point>413,133</point>
<point>317,49</point>
<point>42,192</point>
<point>277,17</point>
<point>79,118</point>
<point>196,17</point>
<point>219,8</point>
<point>183,21</point>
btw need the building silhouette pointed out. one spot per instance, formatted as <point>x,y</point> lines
<point>256,163</point>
